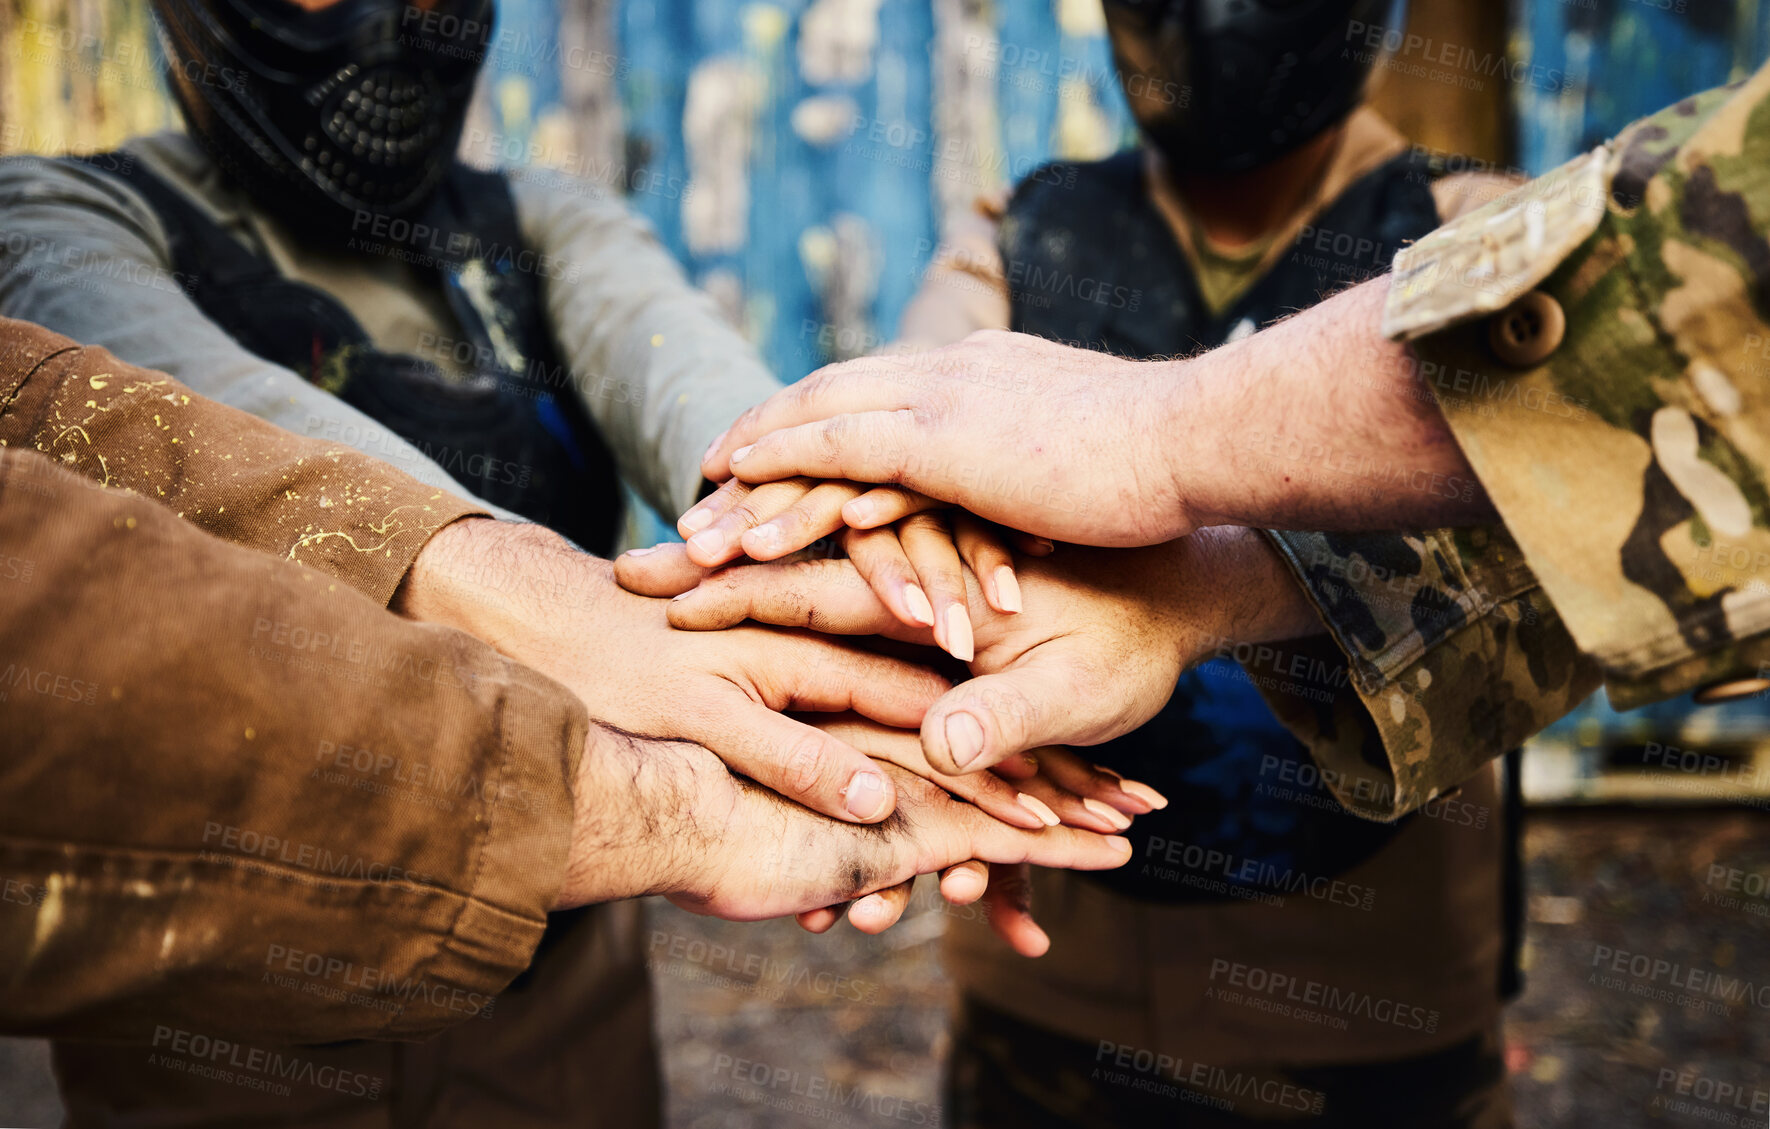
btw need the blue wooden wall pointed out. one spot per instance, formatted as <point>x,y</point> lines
<point>1053,93</point>
<point>1637,56</point>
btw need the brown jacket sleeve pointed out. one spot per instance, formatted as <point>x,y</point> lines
<point>231,473</point>
<point>239,799</point>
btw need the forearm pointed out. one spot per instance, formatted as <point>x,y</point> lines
<point>640,821</point>
<point>652,357</point>
<point>491,578</point>
<point>1318,422</point>
<point>276,766</point>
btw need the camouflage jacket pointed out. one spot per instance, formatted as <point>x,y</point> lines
<point>1628,464</point>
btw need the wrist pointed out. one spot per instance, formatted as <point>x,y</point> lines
<point>489,578</point>
<point>428,592</point>
<point>1241,589</point>
<point>1200,420</point>
<point>641,819</point>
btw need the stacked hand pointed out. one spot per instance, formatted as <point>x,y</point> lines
<point>717,704</point>
<point>1094,653</point>
<point>1076,649</point>
<point>1077,445</point>
<point>1062,443</point>
<point>665,817</point>
<point>901,542</point>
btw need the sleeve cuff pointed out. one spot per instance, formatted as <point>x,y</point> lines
<point>1454,656</point>
<point>527,811</point>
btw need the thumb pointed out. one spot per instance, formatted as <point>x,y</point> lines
<point>988,719</point>
<point>661,570</point>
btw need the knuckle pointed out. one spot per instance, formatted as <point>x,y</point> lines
<point>808,763</point>
<point>728,585</point>
<point>748,419</point>
<point>793,521</point>
<point>949,580</point>
<point>832,435</point>
<point>746,513</point>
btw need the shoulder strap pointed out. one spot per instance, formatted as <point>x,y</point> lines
<point>237,288</point>
<point>199,246</point>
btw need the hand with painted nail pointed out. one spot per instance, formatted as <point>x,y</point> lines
<point>533,596</point>
<point>667,817</point>
<point>909,547</point>
<point>1103,636</point>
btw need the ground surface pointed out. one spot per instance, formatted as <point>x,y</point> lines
<point>1590,1044</point>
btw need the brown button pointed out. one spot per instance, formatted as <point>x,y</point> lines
<point>1528,330</point>
<point>1727,691</point>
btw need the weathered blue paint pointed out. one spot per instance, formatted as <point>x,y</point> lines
<point>881,172</point>
<point>656,45</point>
<point>1621,60</point>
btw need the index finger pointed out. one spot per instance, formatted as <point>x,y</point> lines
<point>861,385</point>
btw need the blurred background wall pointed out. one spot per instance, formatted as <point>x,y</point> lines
<point>799,155</point>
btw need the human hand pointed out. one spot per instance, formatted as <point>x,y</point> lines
<point>904,549</point>
<point>1096,652</point>
<point>1005,890</point>
<point>538,600</point>
<point>666,817</point>
<point>1064,443</point>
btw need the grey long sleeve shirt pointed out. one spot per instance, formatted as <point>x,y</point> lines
<point>656,365</point>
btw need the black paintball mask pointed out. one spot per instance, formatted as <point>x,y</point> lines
<point>1222,86</point>
<point>325,115</point>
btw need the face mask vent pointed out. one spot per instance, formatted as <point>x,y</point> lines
<point>379,130</point>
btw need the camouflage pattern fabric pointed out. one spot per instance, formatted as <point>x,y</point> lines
<point>1455,656</point>
<point>1628,466</point>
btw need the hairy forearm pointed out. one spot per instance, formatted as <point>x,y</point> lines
<point>640,821</point>
<point>1320,423</point>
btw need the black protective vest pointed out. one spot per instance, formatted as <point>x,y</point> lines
<point>513,432</point>
<point>1091,262</point>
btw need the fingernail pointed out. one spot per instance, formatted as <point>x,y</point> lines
<point>713,446</point>
<point>737,456</point>
<point>695,520</point>
<point>1039,808</point>
<point>870,906</point>
<point>1121,841</point>
<point>958,634</point>
<point>1007,589</point>
<point>860,511</point>
<point>917,601</point>
<point>682,595</point>
<point>642,552</point>
<point>766,536</point>
<point>865,795</point>
<point>710,543</point>
<point>1045,544</point>
<point>1117,819</point>
<point>964,738</point>
<point>1144,792</point>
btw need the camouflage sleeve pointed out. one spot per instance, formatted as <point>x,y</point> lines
<point>1598,340</point>
<point>1626,452</point>
<point>1451,655</point>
